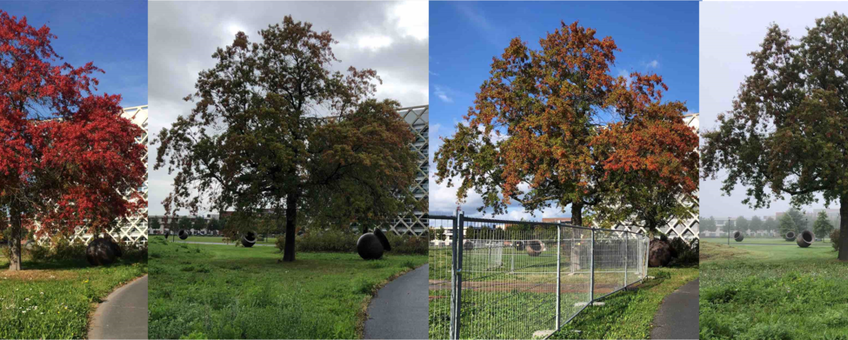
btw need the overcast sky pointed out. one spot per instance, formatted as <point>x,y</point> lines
<point>390,37</point>
<point>729,31</point>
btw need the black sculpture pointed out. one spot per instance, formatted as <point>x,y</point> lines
<point>519,245</point>
<point>167,233</point>
<point>183,234</point>
<point>789,236</point>
<point>805,239</point>
<point>534,248</point>
<point>371,246</point>
<point>249,239</point>
<point>468,245</point>
<point>738,236</point>
<point>102,251</point>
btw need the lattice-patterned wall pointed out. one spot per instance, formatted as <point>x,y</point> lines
<point>414,222</point>
<point>133,229</point>
<point>684,227</point>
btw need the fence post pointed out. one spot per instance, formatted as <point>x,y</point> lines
<point>592,268</point>
<point>453,314</point>
<point>626,256</point>
<point>459,247</point>
<point>559,276</point>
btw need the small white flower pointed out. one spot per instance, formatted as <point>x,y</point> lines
<point>24,312</point>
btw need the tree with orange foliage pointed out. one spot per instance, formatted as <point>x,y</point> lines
<point>552,127</point>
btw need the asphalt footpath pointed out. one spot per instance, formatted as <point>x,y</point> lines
<point>677,317</point>
<point>123,315</point>
<point>399,310</point>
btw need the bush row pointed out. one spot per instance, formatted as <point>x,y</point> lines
<point>338,241</point>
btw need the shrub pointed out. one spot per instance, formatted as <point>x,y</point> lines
<point>683,255</point>
<point>834,239</point>
<point>339,241</point>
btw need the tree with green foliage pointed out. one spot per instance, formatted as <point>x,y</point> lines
<point>185,223</point>
<point>708,224</point>
<point>155,224</point>
<point>787,224</point>
<point>199,223</point>
<point>215,224</point>
<point>742,224</point>
<point>276,129</point>
<point>540,133</point>
<point>756,224</point>
<point>785,134</point>
<point>799,218</point>
<point>770,225</point>
<point>822,226</point>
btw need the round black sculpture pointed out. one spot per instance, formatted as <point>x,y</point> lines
<point>790,236</point>
<point>383,239</point>
<point>468,245</point>
<point>738,236</point>
<point>102,251</point>
<point>534,248</point>
<point>805,239</point>
<point>519,245</point>
<point>249,239</point>
<point>167,233</point>
<point>183,234</point>
<point>369,246</point>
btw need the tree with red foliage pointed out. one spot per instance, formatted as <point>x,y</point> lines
<point>552,127</point>
<point>67,158</point>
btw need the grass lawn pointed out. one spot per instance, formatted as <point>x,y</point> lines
<point>627,314</point>
<point>209,291</point>
<point>765,240</point>
<point>54,301</point>
<point>530,304</point>
<point>772,292</point>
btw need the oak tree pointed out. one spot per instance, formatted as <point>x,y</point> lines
<point>67,157</point>
<point>553,127</point>
<point>276,133</point>
<point>787,131</point>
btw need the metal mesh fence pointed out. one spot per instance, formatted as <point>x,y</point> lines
<point>496,279</point>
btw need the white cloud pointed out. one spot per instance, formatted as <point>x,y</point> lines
<point>374,42</point>
<point>441,94</point>
<point>412,18</point>
<point>653,64</point>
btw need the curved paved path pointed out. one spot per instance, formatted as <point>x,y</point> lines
<point>123,315</point>
<point>399,310</point>
<point>677,317</point>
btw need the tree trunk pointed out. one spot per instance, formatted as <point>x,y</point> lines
<point>577,213</point>
<point>291,225</point>
<point>15,240</point>
<point>843,228</point>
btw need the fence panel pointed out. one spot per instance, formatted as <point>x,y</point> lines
<point>521,280</point>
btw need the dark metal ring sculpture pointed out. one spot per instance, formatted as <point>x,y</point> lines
<point>805,239</point>
<point>737,235</point>
<point>790,236</point>
<point>183,234</point>
<point>249,239</point>
<point>534,247</point>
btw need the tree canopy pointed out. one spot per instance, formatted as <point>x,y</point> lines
<point>67,157</point>
<point>786,131</point>
<point>553,127</point>
<point>822,226</point>
<point>275,129</point>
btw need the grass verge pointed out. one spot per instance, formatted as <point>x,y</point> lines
<point>628,314</point>
<point>772,292</point>
<point>55,300</point>
<point>208,291</point>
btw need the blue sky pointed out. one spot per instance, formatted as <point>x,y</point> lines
<point>112,34</point>
<point>660,37</point>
